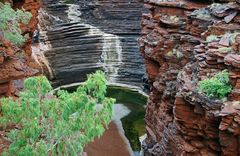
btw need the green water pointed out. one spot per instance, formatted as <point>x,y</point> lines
<point>133,124</point>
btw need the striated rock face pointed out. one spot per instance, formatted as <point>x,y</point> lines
<point>91,35</point>
<point>16,63</point>
<point>184,42</point>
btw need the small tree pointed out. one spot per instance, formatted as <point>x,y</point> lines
<point>62,125</point>
<point>10,23</point>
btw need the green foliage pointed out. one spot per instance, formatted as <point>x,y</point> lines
<point>9,23</point>
<point>216,87</point>
<point>48,125</point>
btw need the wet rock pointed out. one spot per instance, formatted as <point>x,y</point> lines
<point>93,35</point>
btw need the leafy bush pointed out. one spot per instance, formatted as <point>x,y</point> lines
<point>47,125</point>
<point>216,87</point>
<point>9,23</point>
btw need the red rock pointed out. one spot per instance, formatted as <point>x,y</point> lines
<point>237,86</point>
<point>235,95</point>
<point>183,121</point>
<point>1,59</point>
<point>4,88</point>
<point>225,40</point>
<point>232,59</point>
<point>152,69</point>
<point>226,123</point>
<point>229,144</point>
<point>14,68</point>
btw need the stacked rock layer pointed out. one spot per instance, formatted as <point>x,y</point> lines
<point>93,35</point>
<point>184,42</point>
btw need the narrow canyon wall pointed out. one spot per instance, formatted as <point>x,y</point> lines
<point>182,43</point>
<point>16,62</point>
<point>92,35</point>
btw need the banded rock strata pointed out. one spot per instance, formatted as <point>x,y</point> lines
<point>90,35</point>
<point>179,50</point>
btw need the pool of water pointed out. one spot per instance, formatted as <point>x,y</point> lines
<point>133,123</point>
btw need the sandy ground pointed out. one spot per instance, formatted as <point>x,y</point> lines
<point>110,143</point>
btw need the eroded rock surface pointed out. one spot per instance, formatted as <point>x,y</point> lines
<point>184,42</point>
<point>16,62</point>
<point>90,35</point>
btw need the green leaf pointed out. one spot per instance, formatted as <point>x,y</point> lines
<point>10,23</point>
<point>51,125</point>
<point>216,87</point>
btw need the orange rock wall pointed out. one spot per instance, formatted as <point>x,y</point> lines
<point>179,120</point>
<point>16,62</point>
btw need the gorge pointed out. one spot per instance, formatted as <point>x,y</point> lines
<point>163,47</point>
<point>80,41</point>
<point>179,52</point>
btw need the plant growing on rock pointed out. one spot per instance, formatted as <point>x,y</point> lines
<point>10,23</point>
<point>216,87</point>
<point>62,125</point>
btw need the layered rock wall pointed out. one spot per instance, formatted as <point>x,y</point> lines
<point>184,42</point>
<point>93,35</point>
<point>16,62</point>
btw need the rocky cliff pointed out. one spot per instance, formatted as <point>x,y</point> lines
<point>16,62</point>
<point>86,36</point>
<point>184,42</point>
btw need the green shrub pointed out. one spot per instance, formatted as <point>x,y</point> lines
<point>47,125</point>
<point>216,87</point>
<point>9,23</point>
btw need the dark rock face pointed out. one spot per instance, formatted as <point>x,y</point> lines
<point>120,17</point>
<point>91,35</point>
<point>179,51</point>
